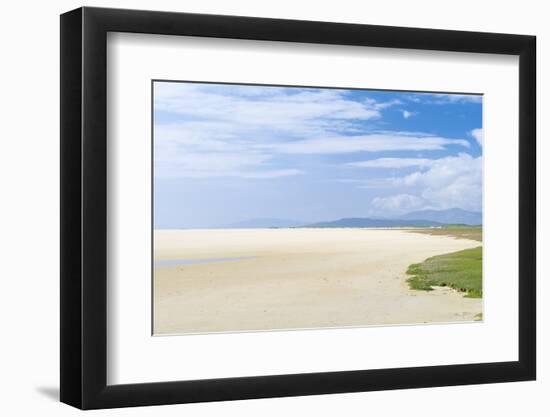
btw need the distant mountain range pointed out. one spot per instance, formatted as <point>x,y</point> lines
<point>365,222</point>
<point>449,216</point>
<point>423,218</point>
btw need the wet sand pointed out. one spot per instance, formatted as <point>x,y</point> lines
<point>297,278</point>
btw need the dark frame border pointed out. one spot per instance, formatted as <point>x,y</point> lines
<point>84,207</point>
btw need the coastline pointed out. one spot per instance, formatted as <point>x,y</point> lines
<point>299,278</point>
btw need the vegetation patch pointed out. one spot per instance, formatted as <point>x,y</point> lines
<point>458,270</point>
<point>454,230</point>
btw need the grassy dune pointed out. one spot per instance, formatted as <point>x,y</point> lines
<point>459,270</point>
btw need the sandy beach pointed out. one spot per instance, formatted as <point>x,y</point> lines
<point>267,279</point>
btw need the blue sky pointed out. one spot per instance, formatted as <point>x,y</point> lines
<point>229,153</point>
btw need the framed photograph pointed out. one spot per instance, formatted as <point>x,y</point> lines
<point>257,208</point>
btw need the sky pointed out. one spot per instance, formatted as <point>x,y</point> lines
<point>226,153</point>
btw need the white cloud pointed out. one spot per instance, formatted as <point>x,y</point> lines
<point>236,131</point>
<point>385,104</point>
<point>226,164</point>
<point>243,131</point>
<point>458,98</point>
<point>365,143</point>
<point>477,134</point>
<point>393,163</point>
<point>197,148</point>
<point>440,98</point>
<point>447,168</point>
<point>271,174</point>
<point>397,204</point>
<point>407,114</point>
<point>454,181</point>
<point>197,165</point>
<point>291,109</point>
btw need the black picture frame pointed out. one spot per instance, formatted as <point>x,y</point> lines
<point>84,207</point>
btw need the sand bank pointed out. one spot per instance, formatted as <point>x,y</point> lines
<point>298,278</point>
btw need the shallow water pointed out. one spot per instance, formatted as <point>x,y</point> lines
<point>178,262</point>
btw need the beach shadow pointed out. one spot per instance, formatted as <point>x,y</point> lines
<point>50,392</point>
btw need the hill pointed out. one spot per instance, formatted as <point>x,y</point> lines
<point>366,222</point>
<point>449,216</point>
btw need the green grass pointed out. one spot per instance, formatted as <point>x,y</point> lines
<point>459,270</point>
<point>458,231</point>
